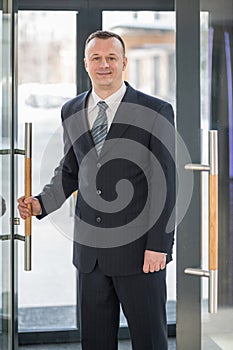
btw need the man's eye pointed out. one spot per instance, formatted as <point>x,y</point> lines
<point>111,58</point>
<point>95,58</point>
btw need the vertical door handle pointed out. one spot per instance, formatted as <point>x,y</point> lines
<point>212,272</point>
<point>28,193</point>
<point>213,222</point>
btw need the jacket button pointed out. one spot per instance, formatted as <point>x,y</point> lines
<point>99,192</point>
<point>98,219</point>
<point>98,165</point>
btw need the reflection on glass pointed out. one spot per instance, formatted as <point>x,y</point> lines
<point>150,46</point>
<point>47,295</point>
<point>216,104</point>
<point>150,43</point>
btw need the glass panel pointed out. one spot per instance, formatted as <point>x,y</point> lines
<point>47,295</point>
<point>150,43</point>
<point>216,102</point>
<point>6,270</point>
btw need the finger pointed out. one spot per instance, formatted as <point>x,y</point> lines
<point>20,199</point>
<point>159,266</point>
<point>22,206</point>
<point>29,200</point>
<point>163,265</point>
<point>146,268</point>
<point>24,215</point>
<point>23,210</point>
<point>21,202</point>
<point>26,212</point>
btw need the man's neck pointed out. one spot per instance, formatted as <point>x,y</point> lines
<point>103,94</point>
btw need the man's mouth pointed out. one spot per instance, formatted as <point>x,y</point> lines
<point>104,73</point>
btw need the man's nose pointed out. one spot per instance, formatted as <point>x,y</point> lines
<point>104,63</point>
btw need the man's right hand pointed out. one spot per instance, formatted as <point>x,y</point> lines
<point>24,211</point>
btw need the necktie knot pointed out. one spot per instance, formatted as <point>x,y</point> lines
<point>102,106</point>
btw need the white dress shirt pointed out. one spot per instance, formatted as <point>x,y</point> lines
<point>112,101</point>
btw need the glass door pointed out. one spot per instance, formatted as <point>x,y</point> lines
<point>216,29</point>
<point>46,69</point>
<point>47,55</point>
<point>44,79</point>
<point>8,275</point>
<point>204,102</point>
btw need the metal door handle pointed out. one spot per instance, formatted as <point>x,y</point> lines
<point>213,223</point>
<point>28,193</point>
<point>212,273</point>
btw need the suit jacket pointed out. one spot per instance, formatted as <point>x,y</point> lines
<point>114,188</point>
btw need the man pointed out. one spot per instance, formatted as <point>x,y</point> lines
<point>130,270</point>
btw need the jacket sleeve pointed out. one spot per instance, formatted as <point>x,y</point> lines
<point>64,181</point>
<point>160,237</point>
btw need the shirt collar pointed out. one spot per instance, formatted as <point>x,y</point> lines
<point>110,100</point>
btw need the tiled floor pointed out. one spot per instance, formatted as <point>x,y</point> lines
<point>123,345</point>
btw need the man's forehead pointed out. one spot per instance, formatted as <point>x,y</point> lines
<point>98,44</point>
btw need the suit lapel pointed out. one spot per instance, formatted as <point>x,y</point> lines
<point>84,122</point>
<point>124,117</point>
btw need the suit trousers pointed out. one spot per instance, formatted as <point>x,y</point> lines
<point>143,300</point>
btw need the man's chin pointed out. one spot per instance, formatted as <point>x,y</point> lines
<point>105,83</point>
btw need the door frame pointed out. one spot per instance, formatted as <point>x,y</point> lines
<point>90,19</point>
<point>9,94</point>
<point>188,239</point>
<point>187,56</point>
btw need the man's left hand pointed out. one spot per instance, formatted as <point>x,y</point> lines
<point>154,261</point>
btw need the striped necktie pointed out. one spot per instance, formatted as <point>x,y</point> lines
<point>100,126</point>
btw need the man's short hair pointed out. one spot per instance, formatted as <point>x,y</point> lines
<point>104,34</point>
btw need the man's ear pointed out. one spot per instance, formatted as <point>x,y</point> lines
<point>85,63</point>
<point>125,61</point>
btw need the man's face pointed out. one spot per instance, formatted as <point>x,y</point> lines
<point>104,62</point>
